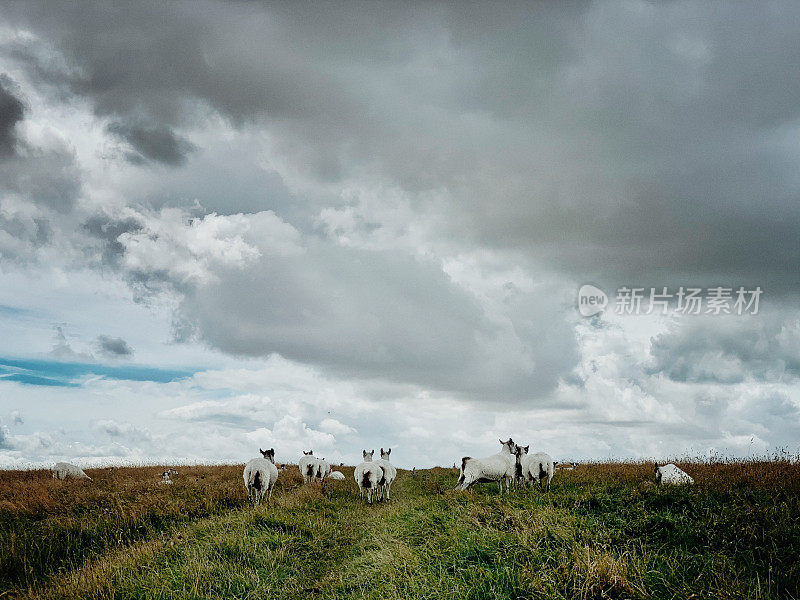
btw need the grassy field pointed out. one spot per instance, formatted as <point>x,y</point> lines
<point>604,531</point>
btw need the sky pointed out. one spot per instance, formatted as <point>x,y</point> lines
<point>346,226</point>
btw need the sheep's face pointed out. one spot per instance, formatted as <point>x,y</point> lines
<point>510,445</point>
<point>367,455</point>
<point>385,455</point>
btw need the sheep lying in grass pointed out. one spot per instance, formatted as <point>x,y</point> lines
<point>533,468</point>
<point>338,475</point>
<point>498,467</point>
<point>308,466</point>
<point>389,474</point>
<point>565,466</point>
<point>671,474</point>
<point>65,470</point>
<point>260,475</point>
<point>367,475</point>
<point>166,476</point>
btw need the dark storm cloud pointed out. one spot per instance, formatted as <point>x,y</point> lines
<point>107,230</point>
<point>159,145</point>
<point>729,350</point>
<point>381,315</point>
<point>607,140</point>
<point>621,143</point>
<point>48,178</point>
<point>11,112</point>
<point>114,347</point>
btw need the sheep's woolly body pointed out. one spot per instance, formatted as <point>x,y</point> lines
<point>308,467</point>
<point>259,477</point>
<point>672,474</point>
<point>537,468</point>
<point>389,474</point>
<point>323,469</point>
<point>338,475</point>
<point>498,467</point>
<point>64,470</point>
<point>368,474</point>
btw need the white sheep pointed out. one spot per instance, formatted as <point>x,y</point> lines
<point>533,468</point>
<point>166,476</point>
<point>389,473</point>
<point>308,466</point>
<point>498,467</point>
<point>260,475</point>
<point>65,470</point>
<point>671,474</point>
<point>323,470</point>
<point>367,475</point>
<point>338,475</point>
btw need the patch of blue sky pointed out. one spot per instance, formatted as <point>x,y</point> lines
<point>29,379</point>
<point>14,311</point>
<point>51,372</point>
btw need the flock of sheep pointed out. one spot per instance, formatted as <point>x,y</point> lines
<point>374,478</point>
<point>513,465</point>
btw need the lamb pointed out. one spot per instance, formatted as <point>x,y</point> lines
<point>498,467</point>
<point>166,476</point>
<point>389,473</point>
<point>367,476</point>
<point>671,474</point>
<point>308,466</point>
<point>65,470</point>
<point>260,475</point>
<point>338,475</point>
<point>531,468</point>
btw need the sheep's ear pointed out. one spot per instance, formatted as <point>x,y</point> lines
<point>527,448</point>
<point>389,451</point>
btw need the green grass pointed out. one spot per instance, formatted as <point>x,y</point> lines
<point>602,532</point>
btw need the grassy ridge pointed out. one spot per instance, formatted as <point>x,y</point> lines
<point>602,532</point>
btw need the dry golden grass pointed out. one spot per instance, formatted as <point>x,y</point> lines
<point>604,531</point>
